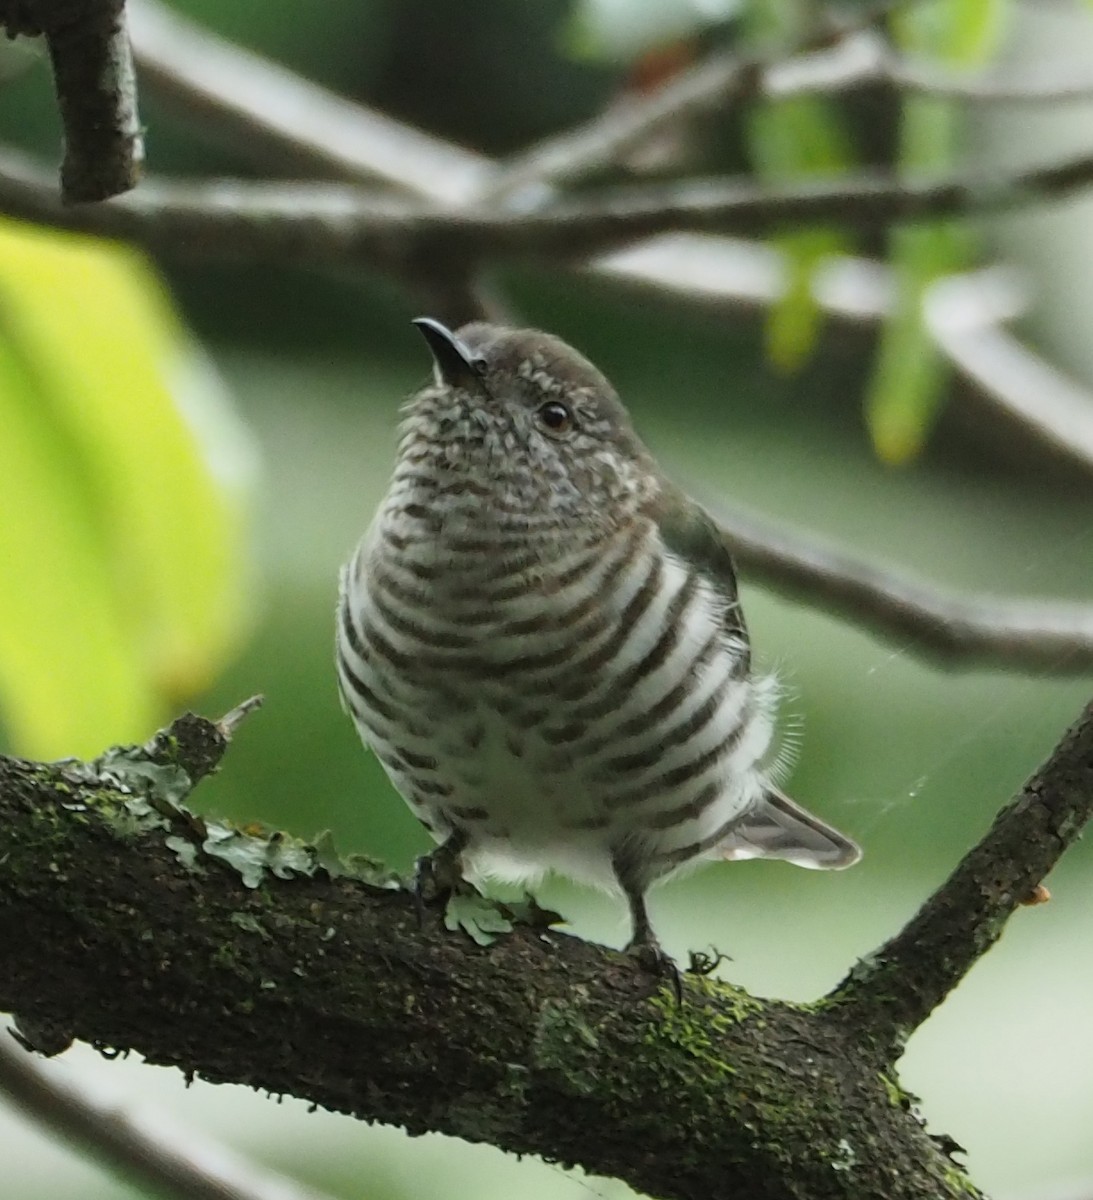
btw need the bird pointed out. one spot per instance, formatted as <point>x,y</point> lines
<point>540,637</point>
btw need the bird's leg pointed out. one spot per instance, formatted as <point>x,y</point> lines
<point>440,872</point>
<point>643,944</point>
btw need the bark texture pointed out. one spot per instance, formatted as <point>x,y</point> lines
<point>130,923</point>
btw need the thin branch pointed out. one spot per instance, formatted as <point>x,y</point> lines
<point>964,314</point>
<point>143,1147</point>
<point>348,223</point>
<point>319,131</point>
<point>891,992</point>
<point>859,57</point>
<point>952,629</point>
<point>1055,410</point>
<point>866,58</point>
<point>327,224</point>
<point>273,111</point>
<point>710,86</point>
<point>273,115</point>
<point>334,222</point>
<point>96,90</point>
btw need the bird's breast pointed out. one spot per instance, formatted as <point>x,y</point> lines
<point>547,689</point>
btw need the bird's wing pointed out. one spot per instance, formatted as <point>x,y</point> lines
<point>692,534</point>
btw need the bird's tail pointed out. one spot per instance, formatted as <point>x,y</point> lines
<point>778,827</point>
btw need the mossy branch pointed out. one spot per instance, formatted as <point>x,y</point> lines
<point>889,994</point>
<point>130,923</point>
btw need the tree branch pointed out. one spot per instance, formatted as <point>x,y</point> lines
<point>143,1148</point>
<point>309,128</point>
<point>328,224</point>
<point>890,993</point>
<point>272,112</point>
<point>709,87</point>
<point>865,58</point>
<point>319,223</point>
<point>134,924</point>
<point>96,90</point>
<point>965,314</point>
<point>1026,389</point>
<point>952,629</point>
<point>211,218</point>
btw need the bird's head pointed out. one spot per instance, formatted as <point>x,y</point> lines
<point>528,417</point>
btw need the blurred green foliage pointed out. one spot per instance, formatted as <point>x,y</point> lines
<point>797,138</point>
<point>123,481</point>
<point>910,378</point>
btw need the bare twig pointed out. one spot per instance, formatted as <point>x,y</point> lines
<point>145,1147</point>
<point>274,111</point>
<point>952,629</point>
<point>865,58</point>
<point>96,91</point>
<point>711,85</point>
<point>241,90</point>
<point>229,723</point>
<point>319,222</point>
<point>889,994</point>
<point>1053,409</point>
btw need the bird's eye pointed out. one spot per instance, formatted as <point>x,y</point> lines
<point>555,416</point>
<point>478,366</point>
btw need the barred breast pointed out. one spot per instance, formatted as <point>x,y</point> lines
<point>559,700</point>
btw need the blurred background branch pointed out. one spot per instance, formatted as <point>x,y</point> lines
<point>296,124</point>
<point>143,1148</point>
<point>954,630</point>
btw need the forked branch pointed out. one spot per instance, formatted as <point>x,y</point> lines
<point>538,1043</point>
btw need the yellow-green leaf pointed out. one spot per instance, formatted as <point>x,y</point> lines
<point>959,33</point>
<point>794,139</point>
<point>123,477</point>
<point>910,376</point>
<point>795,319</point>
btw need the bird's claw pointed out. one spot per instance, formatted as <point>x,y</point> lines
<point>437,877</point>
<point>651,957</point>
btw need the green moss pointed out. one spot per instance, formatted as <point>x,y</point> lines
<point>959,1184</point>
<point>695,1029</point>
<point>897,1097</point>
<point>559,1047</point>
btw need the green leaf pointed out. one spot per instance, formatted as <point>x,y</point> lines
<point>795,320</point>
<point>958,33</point>
<point>793,139</point>
<point>123,483</point>
<point>483,920</point>
<point>910,376</point>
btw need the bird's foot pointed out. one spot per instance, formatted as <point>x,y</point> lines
<point>654,959</point>
<point>705,963</point>
<point>438,876</point>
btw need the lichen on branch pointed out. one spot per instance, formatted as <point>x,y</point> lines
<point>129,922</point>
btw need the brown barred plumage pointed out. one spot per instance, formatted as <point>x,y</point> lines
<point>541,640</point>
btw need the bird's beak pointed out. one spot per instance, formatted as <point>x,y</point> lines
<point>455,366</point>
